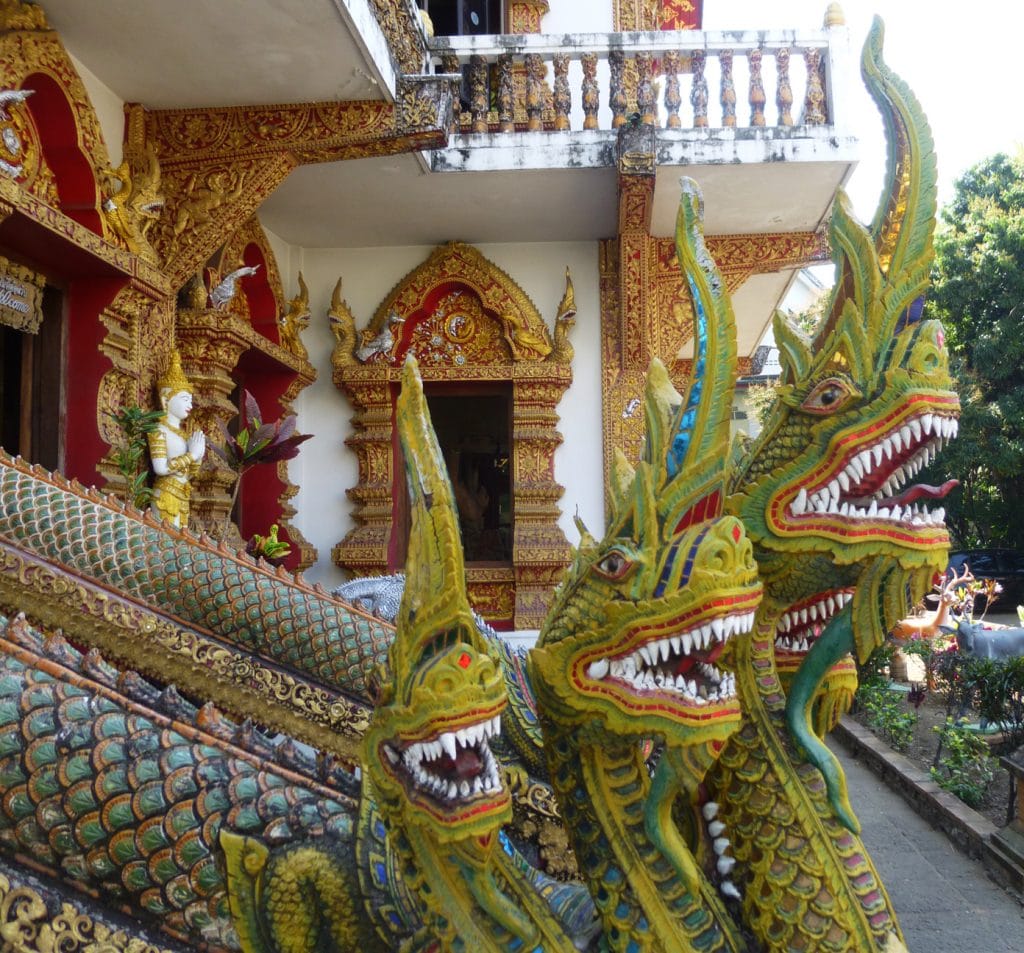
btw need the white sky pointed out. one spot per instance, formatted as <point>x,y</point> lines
<point>964,61</point>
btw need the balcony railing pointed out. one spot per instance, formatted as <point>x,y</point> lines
<point>695,80</point>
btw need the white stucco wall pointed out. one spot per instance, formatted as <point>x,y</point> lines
<point>574,16</point>
<point>325,467</point>
<point>109,111</point>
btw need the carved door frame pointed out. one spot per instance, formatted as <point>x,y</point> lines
<point>465,320</point>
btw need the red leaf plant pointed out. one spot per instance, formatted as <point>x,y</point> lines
<point>256,442</point>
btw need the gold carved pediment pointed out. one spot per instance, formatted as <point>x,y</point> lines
<point>487,297</point>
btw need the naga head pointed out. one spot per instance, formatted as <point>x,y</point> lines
<point>844,538</point>
<point>632,644</point>
<point>826,490</point>
<point>441,696</point>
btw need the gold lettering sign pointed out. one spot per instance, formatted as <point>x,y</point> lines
<point>21,297</point>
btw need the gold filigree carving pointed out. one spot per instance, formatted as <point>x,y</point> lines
<point>525,332</point>
<point>132,204</point>
<point>27,925</point>
<point>212,343</point>
<point>28,47</point>
<point>403,32</point>
<point>524,16</point>
<point>465,320</point>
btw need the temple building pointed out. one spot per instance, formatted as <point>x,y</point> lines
<point>296,195</point>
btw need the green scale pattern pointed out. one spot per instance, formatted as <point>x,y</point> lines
<point>104,792</point>
<point>273,615</point>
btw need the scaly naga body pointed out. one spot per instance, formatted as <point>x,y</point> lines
<point>427,750</point>
<point>631,647</point>
<point>129,792</point>
<point>859,411</point>
<point>273,615</point>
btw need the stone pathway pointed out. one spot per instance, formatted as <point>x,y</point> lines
<point>945,901</point>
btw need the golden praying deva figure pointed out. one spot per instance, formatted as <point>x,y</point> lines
<point>174,454</point>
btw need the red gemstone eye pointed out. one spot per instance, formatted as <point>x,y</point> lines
<point>464,660</point>
<point>736,534</point>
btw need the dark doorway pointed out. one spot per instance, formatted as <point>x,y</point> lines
<point>31,392</point>
<point>474,433</point>
<point>465,17</point>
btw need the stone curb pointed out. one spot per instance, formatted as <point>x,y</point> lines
<point>970,832</point>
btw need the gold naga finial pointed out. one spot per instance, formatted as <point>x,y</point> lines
<point>173,380</point>
<point>561,350</point>
<point>834,16</point>
<point>343,327</point>
<point>568,303</point>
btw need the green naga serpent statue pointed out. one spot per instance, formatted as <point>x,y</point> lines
<point>632,649</point>
<point>427,755</point>
<point>823,494</point>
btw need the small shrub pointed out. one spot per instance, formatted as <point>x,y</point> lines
<point>968,768</point>
<point>877,666</point>
<point>132,457</point>
<point>1000,695</point>
<point>886,715</point>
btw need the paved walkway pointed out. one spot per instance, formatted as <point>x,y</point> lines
<point>945,901</point>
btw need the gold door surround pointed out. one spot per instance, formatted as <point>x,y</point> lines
<point>465,320</point>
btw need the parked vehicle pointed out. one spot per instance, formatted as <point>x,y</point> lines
<point>1006,566</point>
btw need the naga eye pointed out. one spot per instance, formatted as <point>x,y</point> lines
<point>614,566</point>
<point>828,396</point>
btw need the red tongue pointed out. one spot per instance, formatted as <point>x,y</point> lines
<point>919,490</point>
<point>466,766</point>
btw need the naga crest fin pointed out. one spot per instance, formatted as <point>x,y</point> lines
<point>434,599</point>
<point>695,452</point>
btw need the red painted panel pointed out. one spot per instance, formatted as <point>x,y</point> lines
<point>54,118</point>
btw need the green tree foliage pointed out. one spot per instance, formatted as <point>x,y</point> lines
<point>978,294</point>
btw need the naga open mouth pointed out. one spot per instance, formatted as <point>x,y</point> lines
<point>681,665</point>
<point>868,482</point>
<point>452,767</point>
<point>801,624</point>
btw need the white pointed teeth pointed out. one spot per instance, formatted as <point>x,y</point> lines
<point>799,626</point>
<point>710,810</point>
<point>653,665</point>
<point>597,670</point>
<point>900,455</point>
<point>422,761</point>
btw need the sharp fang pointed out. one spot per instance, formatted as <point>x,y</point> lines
<point>915,428</point>
<point>799,505</point>
<point>687,642</point>
<point>876,454</point>
<point>597,670</point>
<point>728,889</point>
<point>718,628</point>
<point>448,743</point>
